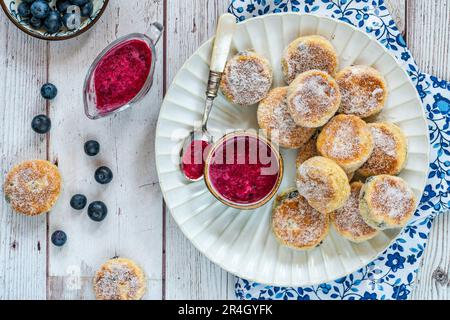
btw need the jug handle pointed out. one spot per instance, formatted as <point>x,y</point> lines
<point>155,31</point>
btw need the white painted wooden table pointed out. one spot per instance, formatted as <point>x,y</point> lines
<point>138,226</point>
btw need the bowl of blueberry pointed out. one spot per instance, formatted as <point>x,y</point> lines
<point>54,19</point>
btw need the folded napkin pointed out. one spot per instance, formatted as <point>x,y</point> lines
<point>392,274</point>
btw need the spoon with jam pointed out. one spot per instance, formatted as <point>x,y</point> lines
<point>195,144</point>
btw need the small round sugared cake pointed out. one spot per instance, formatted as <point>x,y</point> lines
<point>308,151</point>
<point>119,279</point>
<point>247,79</point>
<point>347,140</point>
<point>364,91</point>
<point>32,187</point>
<point>323,184</point>
<point>296,224</point>
<point>390,152</point>
<point>309,53</point>
<point>313,99</point>
<point>348,220</point>
<point>387,202</point>
<point>274,118</point>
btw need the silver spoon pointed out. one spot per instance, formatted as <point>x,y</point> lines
<point>221,49</point>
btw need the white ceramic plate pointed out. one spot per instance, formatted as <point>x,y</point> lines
<point>241,242</point>
<point>10,9</point>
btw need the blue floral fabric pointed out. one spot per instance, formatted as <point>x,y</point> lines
<point>392,274</point>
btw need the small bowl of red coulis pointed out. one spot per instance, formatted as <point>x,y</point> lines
<point>122,74</point>
<point>243,170</point>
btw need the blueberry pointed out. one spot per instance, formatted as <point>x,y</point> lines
<point>49,91</point>
<point>92,148</point>
<point>79,2</point>
<point>103,175</point>
<point>62,5</point>
<point>24,10</point>
<point>28,1</point>
<point>53,22</point>
<point>40,9</point>
<point>97,211</point>
<point>69,20</point>
<point>35,23</point>
<point>87,10</point>
<point>78,202</point>
<point>41,124</point>
<point>59,238</point>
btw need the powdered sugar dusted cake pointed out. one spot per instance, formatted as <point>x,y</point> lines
<point>313,99</point>
<point>390,151</point>
<point>347,140</point>
<point>247,78</point>
<point>309,53</point>
<point>296,224</point>
<point>274,118</point>
<point>32,187</point>
<point>387,202</point>
<point>363,89</point>
<point>119,279</point>
<point>348,220</point>
<point>323,184</point>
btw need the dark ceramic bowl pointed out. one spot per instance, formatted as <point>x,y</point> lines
<point>10,9</point>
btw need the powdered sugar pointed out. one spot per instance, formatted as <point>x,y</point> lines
<point>354,102</point>
<point>311,185</point>
<point>392,197</point>
<point>247,80</point>
<point>115,280</point>
<point>307,55</point>
<point>346,143</point>
<point>389,154</point>
<point>348,219</point>
<point>384,142</point>
<point>275,116</point>
<point>362,92</point>
<point>32,187</point>
<point>308,151</point>
<point>299,225</point>
<point>314,98</point>
<point>282,120</point>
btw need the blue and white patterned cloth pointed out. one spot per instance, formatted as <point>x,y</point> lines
<point>393,273</point>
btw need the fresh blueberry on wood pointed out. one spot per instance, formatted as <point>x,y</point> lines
<point>97,211</point>
<point>92,148</point>
<point>41,124</point>
<point>59,238</point>
<point>103,175</point>
<point>49,91</point>
<point>24,10</point>
<point>53,22</point>
<point>78,202</point>
<point>40,9</point>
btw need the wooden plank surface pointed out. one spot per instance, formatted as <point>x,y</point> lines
<point>136,218</point>
<point>189,275</point>
<point>397,8</point>
<point>428,37</point>
<point>22,239</point>
<point>133,198</point>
